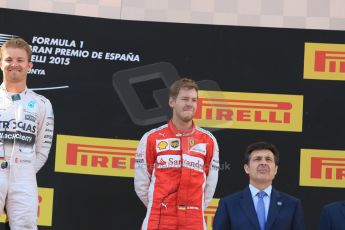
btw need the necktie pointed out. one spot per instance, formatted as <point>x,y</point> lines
<point>260,209</point>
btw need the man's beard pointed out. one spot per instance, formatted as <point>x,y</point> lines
<point>187,118</point>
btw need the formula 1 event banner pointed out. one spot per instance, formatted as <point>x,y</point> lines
<point>108,83</point>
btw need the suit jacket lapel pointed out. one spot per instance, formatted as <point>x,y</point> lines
<point>275,206</point>
<point>248,207</point>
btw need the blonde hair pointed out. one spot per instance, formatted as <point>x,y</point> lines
<point>17,43</point>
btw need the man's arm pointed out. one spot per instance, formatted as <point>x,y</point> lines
<point>142,170</point>
<point>221,218</point>
<point>212,174</point>
<point>45,133</point>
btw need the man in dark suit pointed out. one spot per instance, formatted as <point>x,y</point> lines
<point>259,206</point>
<point>333,216</point>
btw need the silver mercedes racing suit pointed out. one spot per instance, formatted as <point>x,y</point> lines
<point>26,133</point>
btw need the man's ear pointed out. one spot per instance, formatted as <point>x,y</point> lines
<point>171,102</point>
<point>246,168</point>
<point>276,169</point>
<point>31,65</point>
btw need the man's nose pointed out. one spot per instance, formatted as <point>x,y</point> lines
<point>14,64</point>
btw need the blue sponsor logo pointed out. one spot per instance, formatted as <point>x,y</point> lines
<point>31,104</point>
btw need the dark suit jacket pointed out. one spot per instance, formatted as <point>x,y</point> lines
<point>237,212</point>
<point>333,217</point>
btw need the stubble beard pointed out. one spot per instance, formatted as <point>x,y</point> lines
<point>186,118</point>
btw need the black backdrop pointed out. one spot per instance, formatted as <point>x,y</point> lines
<point>238,59</point>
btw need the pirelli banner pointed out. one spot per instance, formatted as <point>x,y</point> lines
<point>108,82</point>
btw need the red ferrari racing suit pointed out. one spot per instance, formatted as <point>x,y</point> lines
<point>176,174</point>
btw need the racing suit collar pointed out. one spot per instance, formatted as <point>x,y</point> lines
<point>3,87</point>
<point>179,133</point>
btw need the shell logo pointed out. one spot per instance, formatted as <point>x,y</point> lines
<point>162,145</point>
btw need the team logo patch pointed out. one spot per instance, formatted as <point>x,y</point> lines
<point>168,144</point>
<point>162,145</point>
<point>31,104</point>
<point>175,144</point>
<point>199,148</point>
<point>191,142</point>
<point>161,162</point>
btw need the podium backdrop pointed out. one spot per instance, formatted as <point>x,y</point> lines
<point>108,79</point>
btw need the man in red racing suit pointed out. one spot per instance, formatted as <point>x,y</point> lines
<point>176,166</point>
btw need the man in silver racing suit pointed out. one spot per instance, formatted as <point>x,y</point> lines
<point>26,133</point>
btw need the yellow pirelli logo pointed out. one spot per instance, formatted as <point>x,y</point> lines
<point>210,212</point>
<point>45,207</point>
<point>322,168</point>
<point>95,156</point>
<point>324,61</point>
<point>279,112</point>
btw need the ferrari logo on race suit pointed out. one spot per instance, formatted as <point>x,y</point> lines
<point>191,142</point>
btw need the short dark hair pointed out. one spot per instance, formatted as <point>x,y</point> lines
<point>261,146</point>
<point>182,83</point>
